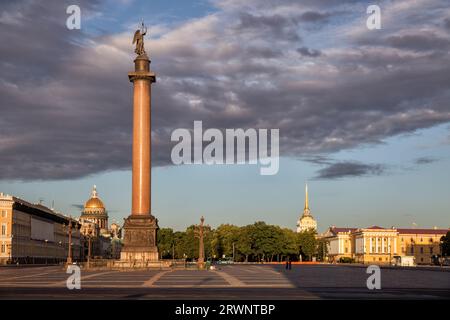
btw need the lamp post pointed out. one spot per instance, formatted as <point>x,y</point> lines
<point>69,254</point>
<point>390,254</point>
<point>199,233</point>
<point>89,246</point>
<point>46,248</point>
<point>233,252</point>
<point>12,248</point>
<point>173,253</point>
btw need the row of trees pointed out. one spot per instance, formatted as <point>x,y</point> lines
<point>255,242</point>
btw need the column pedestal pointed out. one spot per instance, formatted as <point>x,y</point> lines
<point>140,239</point>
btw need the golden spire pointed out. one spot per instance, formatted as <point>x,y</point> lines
<point>306,197</point>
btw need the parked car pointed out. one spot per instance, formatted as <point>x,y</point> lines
<point>404,261</point>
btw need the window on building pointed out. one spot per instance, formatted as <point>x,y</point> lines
<point>346,250</point>
<point>3,229</point>
<point>431,239</point>
<point>421,249</point>
<point>3,248</point>
<point>421,239</point>
<point>421,259</point>
<point>4,213</point>
<point>402,239</point>
<point>412,249</point>
<point>403,249</point>
<point>431,250</point>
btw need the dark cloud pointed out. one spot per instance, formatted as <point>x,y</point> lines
<point>66,100</point>
<point>349,169</point>
<point>447,23</point>
<point>306,52</point>
<point>276,25</point>
<point>78,206</point>
<point>419,42</point>
<point>424,160</point>
<point>313,16</point>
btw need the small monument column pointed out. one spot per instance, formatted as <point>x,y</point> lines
<point>141,226</point>
<point>199,233</point>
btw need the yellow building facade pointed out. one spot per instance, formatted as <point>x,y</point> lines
<point>377,245</point>
<point>33,233</point>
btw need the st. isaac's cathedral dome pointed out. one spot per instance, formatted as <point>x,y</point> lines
<point>94,210</point>
<point>94,203</point>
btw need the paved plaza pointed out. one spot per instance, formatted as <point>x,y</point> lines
<point>227,282</point>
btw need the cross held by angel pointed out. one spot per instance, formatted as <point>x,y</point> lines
<point>139,39</point>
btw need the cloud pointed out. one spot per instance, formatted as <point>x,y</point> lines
<point>419,41</point>
<point>306,52</point>
<point>66,100</point>
<point>266,25</point>
<point>447,23</point>
<point>78,206</point>
<point>424,160</point>
<point>313,16</point>
<point>349,169</point>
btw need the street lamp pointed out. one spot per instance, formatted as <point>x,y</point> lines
<point>89,231</point>
<point>173,252</point>
<point>69,251</point>
<point>46,252</point>
<point>233,252</point>
<point>12,248</point>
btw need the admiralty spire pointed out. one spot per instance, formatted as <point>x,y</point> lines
<point>306,221</point>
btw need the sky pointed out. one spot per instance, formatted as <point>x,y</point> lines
<point>363,114</point>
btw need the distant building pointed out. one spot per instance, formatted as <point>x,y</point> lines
<point>94,212</point>
<point>33,233</point>
<point>423,244</point>
<point>104,242</point>
<point>377,245</point>
<point>306,221</point>
<point>116,241</point>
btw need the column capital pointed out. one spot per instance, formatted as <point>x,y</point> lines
<point>142,75</point>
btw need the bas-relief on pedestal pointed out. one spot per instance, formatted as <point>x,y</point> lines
<point>140,239</point>
<point>141,226</point>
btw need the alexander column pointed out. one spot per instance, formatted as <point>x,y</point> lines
<point>141,226</point>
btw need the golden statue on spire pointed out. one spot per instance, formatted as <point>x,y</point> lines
<point>139,39</point>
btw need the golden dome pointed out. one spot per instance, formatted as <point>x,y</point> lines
<point>94,202</point>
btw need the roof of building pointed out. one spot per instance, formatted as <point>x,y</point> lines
<point>336,230</point>
<point>422,231</point>
<point>41,211</point>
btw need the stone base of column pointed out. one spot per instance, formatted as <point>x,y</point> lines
<point>139,244</point>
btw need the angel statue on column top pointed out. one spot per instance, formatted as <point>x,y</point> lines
<point>139,39</point>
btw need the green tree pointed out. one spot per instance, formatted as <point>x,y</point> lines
<point>307,243</point>
<point>289,243</point>
<point>445,244</point>
<point>322,249</point>
<point>245,242</point>
<point>165,241</point>
<point>223,239</point>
